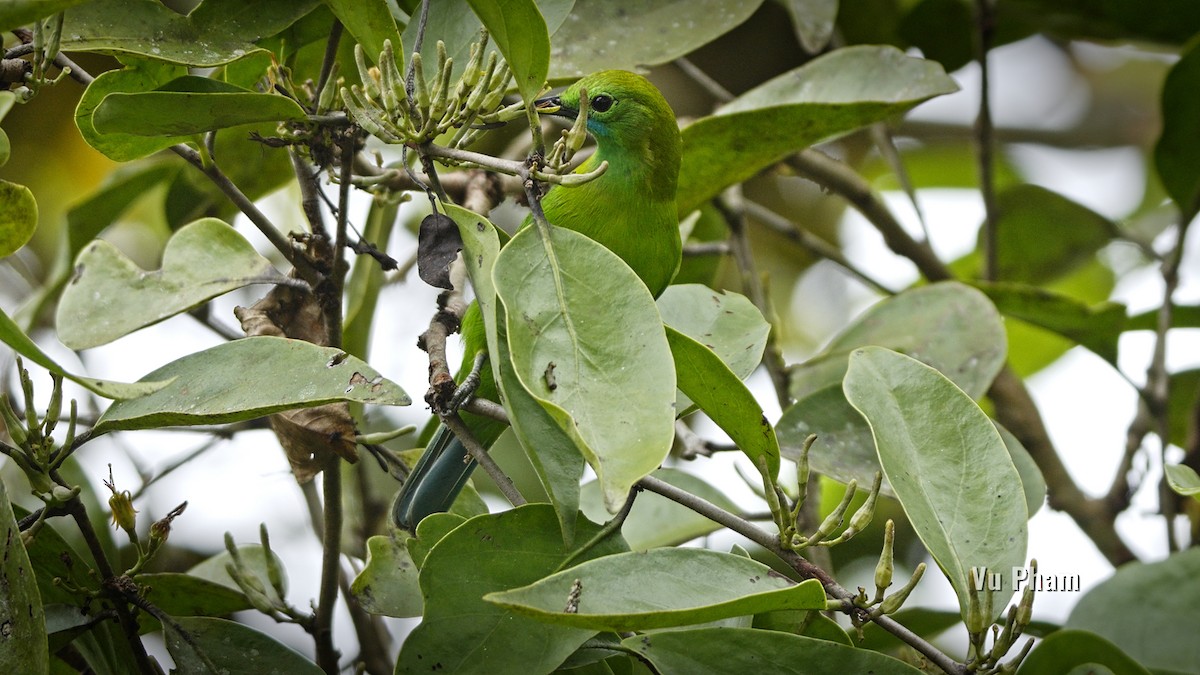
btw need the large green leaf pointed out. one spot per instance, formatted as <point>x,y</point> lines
<point>655,520</point>
<point>190,105</point>
<point>520,32</point>
<point>659,588</point>
<point>25,647</point>
<point>11,335</point>
<point>1097,327</point>
<point>214,33</point>
<point>462,633</point>
<point>139,76</point>
<point>250,378</point>
<point>207,645</point>
<point>1148,610</point>
<point>587,341</point>
<point>110,297</point>
<point>1178,146</point>
<point>947,325</point>
<point>18,217</point>
<point>371,23</point>
<point>189,595</point>
<point>629,35</point>
<point>16,13</point>
<point>556,455</point>
<point>946,463</point>
<point>718,651</point>
<point>705,379</point>
<point>1078,652</point>
<point>832,95</point>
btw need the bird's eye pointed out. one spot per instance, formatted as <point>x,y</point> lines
<point>602,102</point>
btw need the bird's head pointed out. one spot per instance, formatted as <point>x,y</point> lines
<point>623,108</point>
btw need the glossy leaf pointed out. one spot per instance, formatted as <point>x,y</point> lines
<point>655,520</point>
<point>1178,147</point>
<point>705,379</point>
<point>1065,650</point>
<point>16,13</point>
<point>24,626</point>
<point>214,33</point>
<point>631,35</point>
<point>190,105</point>
<point>140,76</point>
<point>660,588</point>
<point>947,325</point>
<point>520,33</point>
<point>387,585</point>
<point>1184,480</point>
<point>556,455</point>
<point>491,553</point>
<point>249,378</point>
<point>110,297</point>
<point>1146,610</point>
<point>18,217</point>
<point>832,95</point>
<point>11,335</point>
<point>717,651</point>
<point>607,377</point>
<point>206,645</point>
<point>371,23</point>
<point>946,463</point>
<point>1096,327</point>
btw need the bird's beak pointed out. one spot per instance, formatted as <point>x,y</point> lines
<point>552,105</point>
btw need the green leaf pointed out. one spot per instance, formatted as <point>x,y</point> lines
<point>11,335</point>
<point>388,585</point>
<point>813,20</point>
<point>250,378</point>
<point>520,33</point>
<point>1147,610</point>
<point>660,588</point>
<point>655,520</point>
<point>24,626</point>
<point>928,623</point>
<point>1032,480</point>
<point>705,379</point>
<point>491,553</point>
<point>1184,480</point>
<point>110,296</point>
<point>371,23</point>
<point>633,34</point>
<point>717,651</point>
<point>556,456</point>
<point>947,325</point>
<point>1066,650</point>
<point>457,26</point>
<point>214,33</point>
<point>120,190</point>
<point>946,463</point>
<point>830,96</point>
<point>1177,147</point>
<point>17,13</point>
<point>18,217</point>
<point>1097,327</point>
<point>606,377</point>
<point>725,322</point>
<point>206,645</point>
<point>190,105</point>
<point>942,30</point>
<point>189,595</point>
<point>141,76</point>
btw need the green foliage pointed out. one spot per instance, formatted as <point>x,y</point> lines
<point>189,114</point>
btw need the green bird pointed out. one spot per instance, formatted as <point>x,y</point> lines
<point>630,209</point>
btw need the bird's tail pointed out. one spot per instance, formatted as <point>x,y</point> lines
<point>435,481</point>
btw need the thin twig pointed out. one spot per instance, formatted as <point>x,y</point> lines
<point>331,556</point>
<point>480,455</point>
<point>985,24</point>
